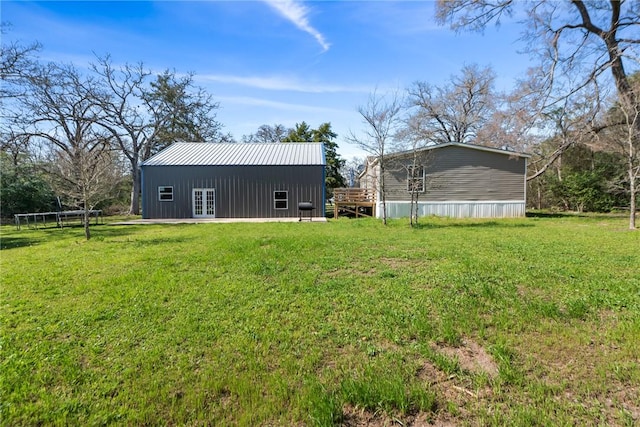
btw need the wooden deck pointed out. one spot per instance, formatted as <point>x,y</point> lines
<point>354,201</point>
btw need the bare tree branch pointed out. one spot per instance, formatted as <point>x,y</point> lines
<point>382,118</point>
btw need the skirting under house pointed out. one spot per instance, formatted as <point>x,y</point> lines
<point>457,209</point>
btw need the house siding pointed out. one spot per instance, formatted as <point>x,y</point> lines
<point>460,174</point>
<point>240,191</point>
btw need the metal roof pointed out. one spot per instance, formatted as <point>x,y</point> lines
<point>239,154</point>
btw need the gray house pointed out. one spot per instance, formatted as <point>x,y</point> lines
<point>215,180</point>
<point>452,179</point>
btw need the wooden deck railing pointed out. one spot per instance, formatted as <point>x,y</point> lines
<point>354,202</point>
<point>353,195</point>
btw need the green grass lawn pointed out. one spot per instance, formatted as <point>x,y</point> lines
<point>533,321</point>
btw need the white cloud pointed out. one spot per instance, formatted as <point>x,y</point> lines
<point>276,105</point>
<point>297,13</point>
<point>282,83</point>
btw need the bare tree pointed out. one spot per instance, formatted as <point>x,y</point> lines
<point>581,40</point>
<point>143,116</point>
<point>16,63</point>
<point>620,135</point>
<point>457,111</point>
<point>266,133</point>
<point>126,117</point>
<point>382,119</point>
<point>629,145</point>
<point>571,123</point>
<point>61,110</point>
<point>512,125</point>
<point>351,169</point>
<point>413,163</point>
<point>85,174</point>
<point>578,44</point>
<point>412,139</point>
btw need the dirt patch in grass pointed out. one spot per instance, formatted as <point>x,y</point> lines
<point>397,262</point>
<point>428,373</point>
<point>358,417</point>
<point>349,273</point>
<point>472,357</point>
<point>622,406</point>
<point>629,400</point>
<point>381,266</point>
<point>457,394</point>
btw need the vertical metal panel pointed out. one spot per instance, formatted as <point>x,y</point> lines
<point>457,209</point>
<point>241,191</point>
<point>142,192</point>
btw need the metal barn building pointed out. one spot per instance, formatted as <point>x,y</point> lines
<point>236,180</point>
<point>454,180</point>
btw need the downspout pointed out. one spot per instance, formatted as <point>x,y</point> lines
<point>324,182</point>
<point>525,185</point>
<point>324,190</point>
<point>142,192</point>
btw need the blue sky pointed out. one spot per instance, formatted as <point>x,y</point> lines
<point>270,62</point>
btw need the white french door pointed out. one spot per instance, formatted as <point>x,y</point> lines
<point>204,203</point>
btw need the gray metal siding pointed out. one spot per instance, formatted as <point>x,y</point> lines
<point>460,174</point>
<point>241,191</point>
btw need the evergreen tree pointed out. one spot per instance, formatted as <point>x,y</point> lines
<point>303,133</point>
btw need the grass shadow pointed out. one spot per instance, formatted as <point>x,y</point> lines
<point>486,224</point>
<point>13,242</point>
<point>592,215</point>
<point>546,215</point>
<point>11,238</point>
<point>148,242</point>
<point>127,234</point>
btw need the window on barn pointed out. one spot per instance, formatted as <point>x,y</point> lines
<point>281,199</point>
<point>415,178</point>
<point>165,193</point>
